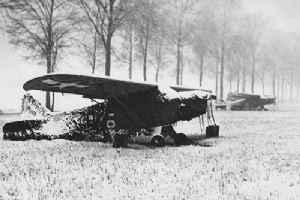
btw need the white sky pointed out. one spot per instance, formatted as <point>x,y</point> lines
<point>284,14</point>
<point>14,70</point>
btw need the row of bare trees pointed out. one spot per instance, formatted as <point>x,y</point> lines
<point>215,38</point>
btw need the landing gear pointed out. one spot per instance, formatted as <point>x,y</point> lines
<point>180,139</point>
<point>158,141</point>
<point>120,140</point>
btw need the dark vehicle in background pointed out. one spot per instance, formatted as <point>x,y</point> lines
<point>245,101</point>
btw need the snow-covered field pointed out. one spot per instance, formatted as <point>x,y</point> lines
<point>256,157</point>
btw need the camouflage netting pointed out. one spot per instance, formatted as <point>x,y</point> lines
<point>74,125</point>
<point>33,107</point>
<point>92,123</point>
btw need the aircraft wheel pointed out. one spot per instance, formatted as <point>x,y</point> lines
<point>158,141</point>
<point>4,136</point>
<point>180,139</point>
<point>18,135</point>
<point>120,140</point>
<point>124,140</point>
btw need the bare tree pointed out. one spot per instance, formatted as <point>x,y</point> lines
<point>262,69</point>
<point>282,88</point>
<point>253,36</point>
<point>272,49</point>
<point>201,41</point>
<point>148,30</point>
<point>126,53</point>
<point>288,55</point>
<point>214,54</point>
<point>145,28</point>
<point>233,65</point>
<point>3,6</point>
<point>106,16</point>
<point>158,50</point>
<point>158,57</point>
<point>87,45</point>
<point>225,11</point>
<point>43,28</point>
<point>297,86</point>
<point>179,29</point>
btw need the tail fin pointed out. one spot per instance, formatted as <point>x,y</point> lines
<point>33,107</point>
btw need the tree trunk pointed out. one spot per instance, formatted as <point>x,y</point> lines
<point>274,82</point>
<point>278,88</point>
<point>230,85</point>
<point>178,62</point>
<point>222,70</point>
<point>49,52</point>
<point>94,53</point>
<point>238,80</point>
<point>253,72</point>
<point>179,45</point>
<point>263,85</point>
<point>109,37</point>
<point>48,100</point>
<point>201,70</point>
<point>291,85</point>
<point>286,90</point>
<point>181,66</point>
<point>282,89</point>
<point>130,54</point>
<point>244,75</point>
<point>52,107</point>
<point>145,59</point>
<point>49,70</point>
<point>145,65</point>
<point>145,51</point>
<point>108,55</point>
<point>217,79</point>
<point>157,72</point>
<point>298,87</point>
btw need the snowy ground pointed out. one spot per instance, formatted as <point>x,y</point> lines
<point>256,157</point>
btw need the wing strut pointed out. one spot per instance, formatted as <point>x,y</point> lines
<point>132,114</point>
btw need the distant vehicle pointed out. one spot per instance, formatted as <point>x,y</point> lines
<point>127,108</point>
<point>246,101</point>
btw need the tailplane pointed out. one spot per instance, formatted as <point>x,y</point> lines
<point>33,107</point>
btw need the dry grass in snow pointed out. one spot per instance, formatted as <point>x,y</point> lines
<point>256,157</point>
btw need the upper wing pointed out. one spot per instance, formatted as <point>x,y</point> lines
<point>178,88</point>
<point>88,86</point>
<point>96,87</point>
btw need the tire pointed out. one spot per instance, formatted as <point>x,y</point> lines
<point>158,141</point>
<point>116,141</point>
<point>120,140</point>
<point>5,136</point>
<point>180,139</point>
<point>168,131</point>
<point>124,140</point>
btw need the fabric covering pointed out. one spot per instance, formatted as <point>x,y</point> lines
<point>94,87</point>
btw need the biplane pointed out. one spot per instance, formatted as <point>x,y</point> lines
<point>122,108</point>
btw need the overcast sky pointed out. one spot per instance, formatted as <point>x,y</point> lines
<point>14,71</point>
<point>284,14</point>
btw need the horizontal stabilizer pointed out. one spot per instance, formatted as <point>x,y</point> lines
<point>33,107</point>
